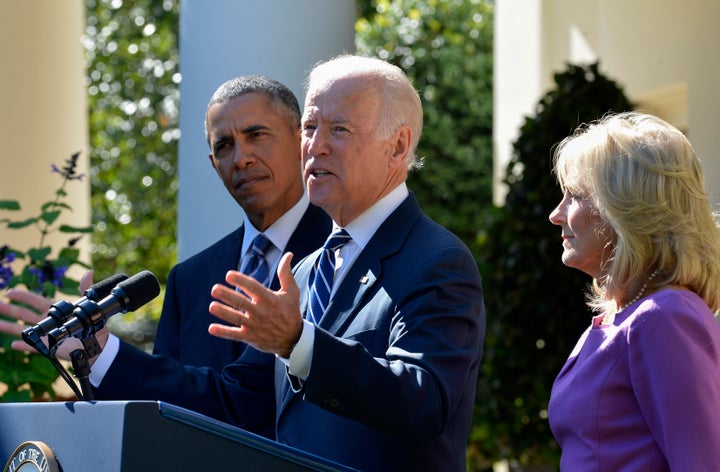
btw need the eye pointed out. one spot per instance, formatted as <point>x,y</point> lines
<point>256,134</point>
<point>221,147</point>
<point>308,129</point>
<point>575,195</point>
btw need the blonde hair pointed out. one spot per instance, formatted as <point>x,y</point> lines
<point>646,182</point>
<point>401,102</point>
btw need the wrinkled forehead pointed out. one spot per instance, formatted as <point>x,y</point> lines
<point>344,99</point>
<point>336,86</point>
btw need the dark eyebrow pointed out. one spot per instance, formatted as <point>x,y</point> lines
<point>254,128</point>
<point>219,140</point>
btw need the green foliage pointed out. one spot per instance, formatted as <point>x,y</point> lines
<point>27,376</point>
<point>445,47</point>
<point>132,57</point>
<point>535,305</point>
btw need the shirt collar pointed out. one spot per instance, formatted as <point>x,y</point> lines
<point>280,231</point>
<point>362,228</point>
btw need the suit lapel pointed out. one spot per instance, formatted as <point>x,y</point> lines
<point>227,256</point>
<point>359,283</point>
<point>221,257</point>
<point>362,276</point>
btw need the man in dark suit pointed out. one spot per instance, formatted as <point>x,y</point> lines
<point>252,126</point>
<point>381,375</point>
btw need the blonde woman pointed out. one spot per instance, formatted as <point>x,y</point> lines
<point>641,389</point>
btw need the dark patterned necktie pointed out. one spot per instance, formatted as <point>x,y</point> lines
<point>321,284</point>
<point>257,266</point>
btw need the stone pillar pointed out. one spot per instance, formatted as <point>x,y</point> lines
<point>43,114</point>
<point>221,39</point>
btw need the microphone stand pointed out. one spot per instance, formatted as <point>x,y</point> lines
<point>32,338</point>
<point>79,359</point>
<point>81,366</point>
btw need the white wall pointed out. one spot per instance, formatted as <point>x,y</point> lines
<point>221,39</point>
<point>661,51</point>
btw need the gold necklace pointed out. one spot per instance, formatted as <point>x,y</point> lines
<point>609,318</point>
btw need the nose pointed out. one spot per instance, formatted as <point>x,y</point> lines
<point>315,143</point>
<point>243,156</point>
<point>557,216</point>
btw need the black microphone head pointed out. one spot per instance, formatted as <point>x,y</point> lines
<point>137,290</point>
<point>103,288</point>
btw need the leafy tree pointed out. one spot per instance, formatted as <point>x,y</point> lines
<point>536,309</point>
<point>133,94</point>
<point>445,47</point>
<point>132,80</point>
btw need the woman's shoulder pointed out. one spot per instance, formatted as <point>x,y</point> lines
<point>673,303</point>
<point>674,296</point>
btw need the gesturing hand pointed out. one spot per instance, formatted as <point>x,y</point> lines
<point>268,320</point>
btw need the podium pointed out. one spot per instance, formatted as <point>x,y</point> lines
<point>137,436</point>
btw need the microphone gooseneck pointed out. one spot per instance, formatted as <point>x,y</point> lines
<point>89,316</point>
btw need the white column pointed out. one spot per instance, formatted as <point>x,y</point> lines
<point>517,78</point>
<point>43,117</point>
<point>219,40</point>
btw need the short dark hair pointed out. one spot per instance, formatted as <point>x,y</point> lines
<point>280,97</point>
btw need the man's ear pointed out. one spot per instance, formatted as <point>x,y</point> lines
<point>401,145</point>
<point>212,163</point>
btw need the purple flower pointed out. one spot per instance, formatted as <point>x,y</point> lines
<point>58,275</point>
<point>68,172</point>
<point>6,273</point>
<point>48,273</point>
<point>39,275</point>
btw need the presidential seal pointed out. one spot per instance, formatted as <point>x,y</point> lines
<point>32,456</point>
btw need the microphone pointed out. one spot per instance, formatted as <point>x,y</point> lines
<point>89,316</point>
<point>61,310</point>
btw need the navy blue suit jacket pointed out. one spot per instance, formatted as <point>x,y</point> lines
<point>182,332</point>
<point>395,360</point>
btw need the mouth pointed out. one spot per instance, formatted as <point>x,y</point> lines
<point>248,181</point>
<point>318,173</point>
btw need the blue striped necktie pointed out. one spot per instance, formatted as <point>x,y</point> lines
<point>257,266</point>
<point>321,284</point>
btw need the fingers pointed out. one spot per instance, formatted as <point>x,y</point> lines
<point>228,308</point>
<point>251,288</point>
<point>86,281</point>
<point>233,333</point>
<point>268,320</point>
<point>34,300</point>
<point>285,275</point>
<point>22,346</point>
<point>23,313</point>
<point>71,344</point>
<point>11,328</point>
<point>230,305</point>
